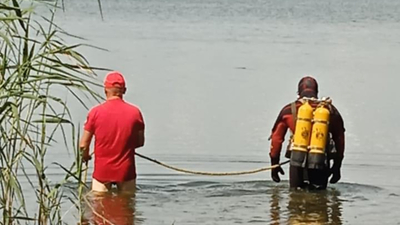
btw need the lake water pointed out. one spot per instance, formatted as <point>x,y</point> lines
<point>210,77</point>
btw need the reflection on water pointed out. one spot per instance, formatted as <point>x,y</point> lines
<point>246,202</point>
<point>319,207</point>
<point>306,207</point>
<point>275,206</point>
<point>110,208</point>
<point>202,198</point>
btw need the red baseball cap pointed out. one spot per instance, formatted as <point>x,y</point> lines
<point>114,79</point>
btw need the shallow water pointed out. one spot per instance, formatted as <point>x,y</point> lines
<point>211,76</point>
<point>246,202</point>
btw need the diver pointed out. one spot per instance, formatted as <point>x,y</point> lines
<point>318,136</point>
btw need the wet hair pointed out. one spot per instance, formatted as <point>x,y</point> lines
<point>307,87</point>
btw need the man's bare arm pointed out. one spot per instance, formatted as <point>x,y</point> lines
<point>84,145</point>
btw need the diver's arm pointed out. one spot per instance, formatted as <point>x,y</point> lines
<point>277,139</point>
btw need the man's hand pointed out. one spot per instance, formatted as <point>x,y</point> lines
<point>86,156</point>
<point>275,172</point>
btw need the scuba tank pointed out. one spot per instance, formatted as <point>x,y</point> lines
<point>319,137</point>
<point>301,136</point>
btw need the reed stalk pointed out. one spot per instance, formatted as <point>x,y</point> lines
<point>37,68</point>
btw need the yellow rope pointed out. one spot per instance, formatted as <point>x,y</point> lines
<point>212,173</point>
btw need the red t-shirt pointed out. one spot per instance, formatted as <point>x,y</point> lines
<point>115,125</point>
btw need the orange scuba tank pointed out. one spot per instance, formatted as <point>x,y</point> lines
<point>319,135</point>
<point>301,136</point>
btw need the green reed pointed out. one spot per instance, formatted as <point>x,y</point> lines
<point>36,66</point>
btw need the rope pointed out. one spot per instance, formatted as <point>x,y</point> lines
<point>212,173</point>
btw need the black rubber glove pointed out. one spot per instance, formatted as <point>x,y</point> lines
<point>335,171</point>
<point>275,172</point>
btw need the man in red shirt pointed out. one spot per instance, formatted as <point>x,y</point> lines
<point>118,128</point>
<point>301,174</point>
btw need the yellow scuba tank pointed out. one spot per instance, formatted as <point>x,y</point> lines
<point>301,136</point>
<point>319,135</point>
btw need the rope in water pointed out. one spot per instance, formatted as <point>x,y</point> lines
<point>212,173</point>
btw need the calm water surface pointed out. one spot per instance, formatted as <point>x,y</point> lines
<point>211,76</point>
